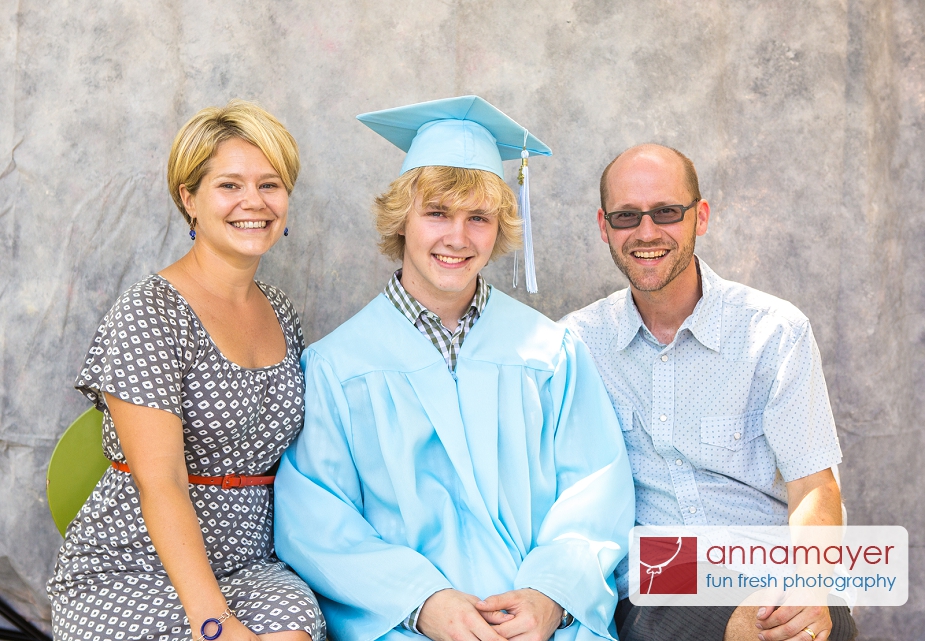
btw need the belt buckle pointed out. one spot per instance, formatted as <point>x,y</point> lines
<point>231,480</point>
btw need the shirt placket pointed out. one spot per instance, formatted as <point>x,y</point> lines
<point>429,324</point>
<point>663,424</point>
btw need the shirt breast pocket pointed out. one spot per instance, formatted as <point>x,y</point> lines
<point>735,445</point>
<point>731,432</point>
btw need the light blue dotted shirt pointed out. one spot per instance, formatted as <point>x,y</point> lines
<point>718,421</point>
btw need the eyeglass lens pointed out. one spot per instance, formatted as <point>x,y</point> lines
<point>661,216</point>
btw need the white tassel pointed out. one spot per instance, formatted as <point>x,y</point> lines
<point>524,204</point>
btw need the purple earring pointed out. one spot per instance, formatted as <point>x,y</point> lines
<point>286,232</point>
<point>192,234</point>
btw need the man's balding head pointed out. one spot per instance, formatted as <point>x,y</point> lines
<point>651,149</point>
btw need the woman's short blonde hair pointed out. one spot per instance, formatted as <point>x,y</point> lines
<point>199,138</point>
<point>451,188</point>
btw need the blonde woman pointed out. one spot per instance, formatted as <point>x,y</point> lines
<point>196,370</point>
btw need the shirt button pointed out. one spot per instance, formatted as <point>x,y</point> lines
<point>692,510</point>
<point>737,436</point>
<point>679,462</point>
<point>663,418</point>
<point>664,357</point>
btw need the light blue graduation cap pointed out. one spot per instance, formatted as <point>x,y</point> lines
<point>465,132</point>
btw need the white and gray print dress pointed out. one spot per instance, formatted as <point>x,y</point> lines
<point>151,350</point>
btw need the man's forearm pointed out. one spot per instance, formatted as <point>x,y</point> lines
<point>814,500</point>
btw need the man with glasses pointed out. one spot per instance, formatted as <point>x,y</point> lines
<point>720,394</point>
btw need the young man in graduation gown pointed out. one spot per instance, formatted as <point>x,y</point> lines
<point>461,474</point>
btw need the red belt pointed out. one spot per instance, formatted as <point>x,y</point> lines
<point>227,482</point>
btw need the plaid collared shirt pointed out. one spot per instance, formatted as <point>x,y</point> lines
<point>429,324</point>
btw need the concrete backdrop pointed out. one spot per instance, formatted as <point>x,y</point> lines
<point>804,117</point>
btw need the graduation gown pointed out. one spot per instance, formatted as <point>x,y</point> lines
<point>406,481</point>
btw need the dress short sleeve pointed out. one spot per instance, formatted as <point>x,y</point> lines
<point>142,349</point>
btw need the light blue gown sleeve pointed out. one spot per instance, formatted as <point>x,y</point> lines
<point>320,529</point>
<point>584,535</point>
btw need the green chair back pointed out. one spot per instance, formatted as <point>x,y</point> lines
<point>76,466</point>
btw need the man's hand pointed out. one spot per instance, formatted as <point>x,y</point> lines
<point>789,622</point>
<point>451,615</point>
<point>535,615</point>
<point>811,500</point>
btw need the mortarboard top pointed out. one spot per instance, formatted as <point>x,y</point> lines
<point>463,132</point>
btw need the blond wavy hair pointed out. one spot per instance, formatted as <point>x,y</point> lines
<point>450,188</point>
<point>198,140</point>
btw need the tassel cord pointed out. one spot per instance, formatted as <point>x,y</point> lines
<point>525,214</point>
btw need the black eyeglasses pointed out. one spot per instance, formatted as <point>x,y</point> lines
<point>664,215</point>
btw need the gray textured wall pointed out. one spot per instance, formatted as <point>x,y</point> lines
<point>804,117</point>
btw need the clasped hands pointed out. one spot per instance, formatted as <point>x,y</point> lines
<point>518,615</point>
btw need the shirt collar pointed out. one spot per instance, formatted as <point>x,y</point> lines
<point>412,309</point>
<point>705,322</point>
<point>629,322</point>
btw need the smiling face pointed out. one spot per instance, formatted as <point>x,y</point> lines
<point>240,207</point>
<point>651,256</point>
<point>445,249</point>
